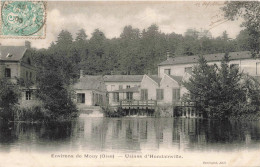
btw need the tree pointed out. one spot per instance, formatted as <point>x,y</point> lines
<point>249,11</point>
<point>243,40</point>
<point>218,91</point>
<point>9,95</point>
<point>64,39</point>
<point>192,33</point>
<point>54,77</point>
<point>81,35</point>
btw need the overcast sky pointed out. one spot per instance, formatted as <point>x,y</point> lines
<point>111,17</point>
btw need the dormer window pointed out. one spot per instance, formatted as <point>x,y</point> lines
<point>9,55</point>
<point>29,61</point>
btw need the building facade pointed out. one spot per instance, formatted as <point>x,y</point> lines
<point>17,65</point>
<point>122,87</point>
<point>90,91</point>
<point>182,65</point>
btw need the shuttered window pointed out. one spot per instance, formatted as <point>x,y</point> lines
<point>129,95</point>
<point>188,70</point>
<point>28,95</point>
<point>176,94</point>
<point>159,94</point>
<point>144,94</point>
<point>8,72</point>
<point>167,71</point>
<point>81,98</point>
<point>115,97</point>
<point>257,68</point>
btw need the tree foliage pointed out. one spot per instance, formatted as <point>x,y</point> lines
<point>138,51</point>
<point>9,95</point>
<point>134,52</point>
<point>221,91</point>
<point>249,11</point>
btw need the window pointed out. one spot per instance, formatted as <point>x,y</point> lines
<point>129,95</point>
<point>159,94</point>
<point>8,72</point>
<point>144,94</point>
<point>29,61</point>
<point>115,97</point>
<point>28,95</point>
<point>112,87</point>
<point>188,69</point>
<point>30,75</point>
<point>167,71</point>
<point>176,94</point>
<point>258,68</point>
<point>128,86</point>
<point>81,98</point>
<point>234,65</point>
<point>120,87</point>
<point>27,75</point>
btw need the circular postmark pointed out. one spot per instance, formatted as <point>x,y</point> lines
<point>22,18</point>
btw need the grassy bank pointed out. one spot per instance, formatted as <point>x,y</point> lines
<point>33,114</point>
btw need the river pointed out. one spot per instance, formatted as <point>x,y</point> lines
<point>131,135</point>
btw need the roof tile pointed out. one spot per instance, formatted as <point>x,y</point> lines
<point>90,82</point>
<point>123,78</point>
<point>15,53</point>
<point>209,58</point>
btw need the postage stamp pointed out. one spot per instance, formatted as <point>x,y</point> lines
<point>23,19</point>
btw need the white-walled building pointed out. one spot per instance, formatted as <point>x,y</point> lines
<point>184,64</point>
<point>149,85</point>
<point>164,88</point>
<point>122,87</point>
<point>16,64</point>
<point>90,91</point>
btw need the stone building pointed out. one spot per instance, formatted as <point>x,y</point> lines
<point>17,65</point>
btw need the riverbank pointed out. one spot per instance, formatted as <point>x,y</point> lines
<point>34,114</point>
<point>162,111</point>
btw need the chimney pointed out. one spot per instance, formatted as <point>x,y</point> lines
<point>27,44</point>
<point>81,73</point>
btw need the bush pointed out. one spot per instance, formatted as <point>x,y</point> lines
<point>165,110</point>
<point>112,112</point>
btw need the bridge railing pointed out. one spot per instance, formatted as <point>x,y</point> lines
<point>138,103</point>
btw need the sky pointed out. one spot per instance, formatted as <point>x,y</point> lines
<point>112,17</point>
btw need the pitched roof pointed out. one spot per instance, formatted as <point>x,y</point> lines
<point>12,53</point>
<point>208,57</point>
<point>155,78</point>
<point>176,78</point>
<point>123,78</point>
<point>132,89</point>
<point>90,82</point>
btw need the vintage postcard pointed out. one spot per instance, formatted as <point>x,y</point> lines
<point>129,83</point>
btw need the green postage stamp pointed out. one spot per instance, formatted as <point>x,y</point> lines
<point>23,19</point>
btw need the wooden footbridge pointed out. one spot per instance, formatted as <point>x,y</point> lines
<point>147,108</point>
<point>138,107</point>
<point>138,104</point>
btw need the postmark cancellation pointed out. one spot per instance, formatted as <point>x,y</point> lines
<point>23,19</point>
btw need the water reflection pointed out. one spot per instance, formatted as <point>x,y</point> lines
<point>131,135</point>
